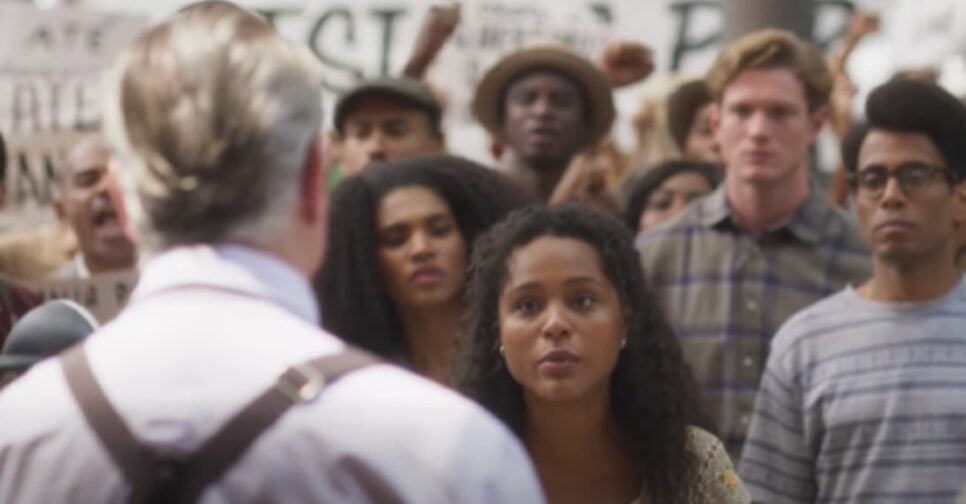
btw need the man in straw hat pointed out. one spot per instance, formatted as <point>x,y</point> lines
<point>385,119</point>
<point>216,384</point>
<point>545,104</point>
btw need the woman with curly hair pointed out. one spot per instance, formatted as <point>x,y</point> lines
<point>567,345</point>
<point>398,244</point>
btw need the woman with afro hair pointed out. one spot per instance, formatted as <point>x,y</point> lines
<point>400,235</point>
<point>566,344</point>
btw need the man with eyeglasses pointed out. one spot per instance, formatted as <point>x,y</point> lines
<point>864,394</point>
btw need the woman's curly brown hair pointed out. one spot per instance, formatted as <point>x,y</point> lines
<point>352,293</point>
<point>651,386</point>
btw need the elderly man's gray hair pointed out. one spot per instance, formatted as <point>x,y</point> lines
<point>211,114</point>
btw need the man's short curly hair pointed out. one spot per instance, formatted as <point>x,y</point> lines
<point>906,105</point>
<point>773,49</point>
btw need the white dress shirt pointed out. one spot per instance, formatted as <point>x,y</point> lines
<point>208,329</point>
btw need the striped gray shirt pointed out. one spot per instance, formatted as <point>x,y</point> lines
<point>863,402</point>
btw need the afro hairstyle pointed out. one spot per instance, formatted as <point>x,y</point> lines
<point>910,106</point>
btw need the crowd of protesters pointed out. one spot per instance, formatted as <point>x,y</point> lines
<point>357,315</point>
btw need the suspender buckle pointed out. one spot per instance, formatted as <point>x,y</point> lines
<point>301,383</point>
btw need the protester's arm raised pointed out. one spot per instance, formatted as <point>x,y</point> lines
<point>437,28</point>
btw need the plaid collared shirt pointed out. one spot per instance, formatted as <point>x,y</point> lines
<point>727,292</point>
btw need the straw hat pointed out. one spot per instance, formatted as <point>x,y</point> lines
<point>550,56</point>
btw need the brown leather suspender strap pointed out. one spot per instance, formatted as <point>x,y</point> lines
<point>153,479</point>
<point>130,457</point>
<point>300,383</point>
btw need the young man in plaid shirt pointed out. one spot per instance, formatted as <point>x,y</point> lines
<point>740,261</point>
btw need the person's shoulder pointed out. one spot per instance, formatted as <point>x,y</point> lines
<point>822,309</point>
<point>814,319</point>
<point>696,218</point>
<point>839,225</point>
<point>34,404</point>
<point>702,442</point>
<point>39,381</point>
<point>416,434</point>
<point>717,480</point>
<point>388,402</point>
<point>666,240</point>
<point>957,296</point>
<point>677,245</point>
<point>685,221</point>
<point>836,213</point>
<point>47,449</point>
<point>407,397</point>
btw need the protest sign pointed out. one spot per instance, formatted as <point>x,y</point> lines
<point>924,34</point>
<point>52,64</point>
<point>356,39</point>
<point>360,39</point>
<point>104,295</point>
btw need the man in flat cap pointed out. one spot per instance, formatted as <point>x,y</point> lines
<point>385,119</point>
<point>545,105</point>
<point>216,384</point>
<point>862,397</point>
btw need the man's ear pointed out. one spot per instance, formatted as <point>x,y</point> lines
<point>333,141</point>
<point>959,222</point>
<point>715,118</point>
<point>818,118</point>
<point>312,192</point>
<point>441,143</point>
<point>959,207</point>
<point>59,209</point>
